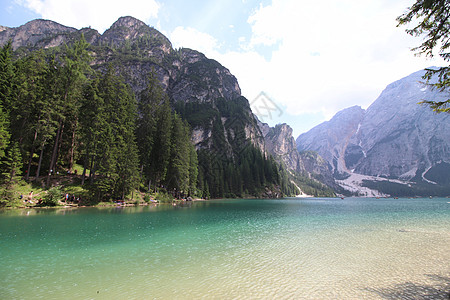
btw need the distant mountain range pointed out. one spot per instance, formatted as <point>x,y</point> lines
<point>395,147</point>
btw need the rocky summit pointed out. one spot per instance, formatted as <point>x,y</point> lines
<point>396,144</point>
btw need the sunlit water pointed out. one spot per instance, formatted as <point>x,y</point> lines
<point>247,249</point>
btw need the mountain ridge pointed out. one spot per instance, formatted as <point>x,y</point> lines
<point>395,138</point>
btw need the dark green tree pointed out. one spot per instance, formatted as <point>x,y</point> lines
<point>6,90</point>
<point>117,158</point>
<point>193,169</point>
<point>430,19</point>
<point>150,99</point>
<point>4,132</point>
<point>93,126</point>
<point>71,77</point>
<point>161,150</point>
<point>178,168</point>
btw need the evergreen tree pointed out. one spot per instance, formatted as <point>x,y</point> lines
<point>4,133</point>
<point>193,169</point>
<point>6,76</point>
<point>6,90</point>
<point>430,19</point>
<point>117,149</point>
<point>150,99</point>
<point>178,168</point>
<point>71,78</point>
<point>93,126</point>
<point>161,150</point>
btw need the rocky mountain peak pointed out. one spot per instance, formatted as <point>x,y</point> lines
<point>32,32</point>
<point>130,29</point>
<point>127,21</point>
<point>394,139</point>
<point>281,144</point>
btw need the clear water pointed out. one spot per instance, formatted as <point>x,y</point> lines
<point>247,249</point>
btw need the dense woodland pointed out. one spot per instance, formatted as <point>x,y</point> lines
<point>57,112</point>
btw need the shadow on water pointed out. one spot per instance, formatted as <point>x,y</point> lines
<point>440,289</point>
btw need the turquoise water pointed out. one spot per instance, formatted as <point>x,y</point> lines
<point>249,249</point>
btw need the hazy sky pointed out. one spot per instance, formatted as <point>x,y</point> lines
<point>310,58</point>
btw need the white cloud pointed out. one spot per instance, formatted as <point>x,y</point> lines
<point>329,55</point>
<point>99,14</point>
<point>188,37</point>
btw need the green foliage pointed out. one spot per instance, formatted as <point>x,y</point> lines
<point>312,186</point>
<point>440,173</point>
<point>430,20</point>
<point>163,197</point>
<point>6,93</point>
<point>4,132</point>
<point>11,164</point>
<point>52,197</point>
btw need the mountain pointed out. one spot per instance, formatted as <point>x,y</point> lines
<point>395,146</point>
<point>203,92</point>
<point>136,50</point>
<point>304,167</point>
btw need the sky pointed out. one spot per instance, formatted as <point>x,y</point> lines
<point>297,62</point>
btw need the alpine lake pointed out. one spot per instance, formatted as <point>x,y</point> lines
<point>293,248</point>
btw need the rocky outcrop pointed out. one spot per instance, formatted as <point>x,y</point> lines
<point>280,143</point>
<point>36,33</point>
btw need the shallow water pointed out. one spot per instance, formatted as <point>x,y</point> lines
<point>250,249</point>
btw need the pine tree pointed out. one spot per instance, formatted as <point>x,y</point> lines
<point>6,90</point>
<point>117,156</point>
<point>71,78</point>
<point>178,168</point>
<point>161,151</point>
<point>150,99</point>
<point>193,169</point>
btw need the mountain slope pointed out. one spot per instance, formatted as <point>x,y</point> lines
<point>395,138</point>
<point>311,173</point>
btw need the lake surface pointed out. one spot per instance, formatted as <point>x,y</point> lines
<point>248,249</point>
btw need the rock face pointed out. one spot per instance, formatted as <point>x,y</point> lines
<point>37,33</point>
<point>280,143</point>
<point>331,139</point>
<point>395,138</point>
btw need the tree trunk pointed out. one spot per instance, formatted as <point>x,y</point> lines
<point>54,153</point>
<point>72,146</point>
<point>92,172</point>
<point>30,159</point>
<point>85,165</point>
<point>40,161</point>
